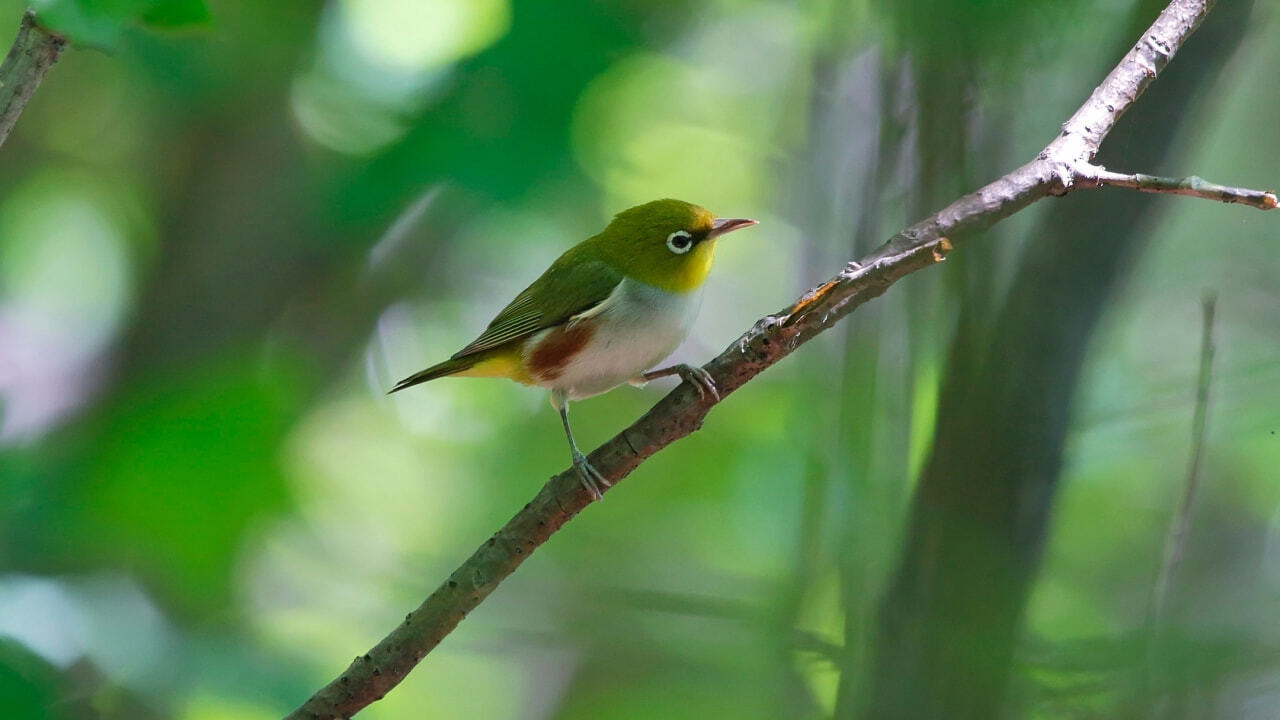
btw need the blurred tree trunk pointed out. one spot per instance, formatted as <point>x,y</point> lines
<point>882,359</point>
<point>950,618</point>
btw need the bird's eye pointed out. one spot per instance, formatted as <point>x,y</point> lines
<point>679,242</point>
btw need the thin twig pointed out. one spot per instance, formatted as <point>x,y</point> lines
<point>33,53</point>
<point>1176,538</point>
<point>1193,186</point>
<point>772,338</point>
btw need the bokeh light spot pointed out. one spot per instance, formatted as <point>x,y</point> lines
<point>412,35</point>
<point>66,280</point>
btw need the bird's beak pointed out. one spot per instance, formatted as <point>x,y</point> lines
<point>720,226</point>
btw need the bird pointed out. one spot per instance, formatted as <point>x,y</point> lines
<point>605,312</point>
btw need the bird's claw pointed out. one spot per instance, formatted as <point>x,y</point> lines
<point>700,380</point>
<point>591,478</point>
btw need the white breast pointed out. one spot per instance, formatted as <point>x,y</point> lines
<point>636,327</point>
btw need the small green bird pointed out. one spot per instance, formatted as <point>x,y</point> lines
<point>605,311</point>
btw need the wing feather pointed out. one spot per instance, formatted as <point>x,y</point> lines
<point>572,285</point>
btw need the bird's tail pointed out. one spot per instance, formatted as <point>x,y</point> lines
<point>451,366</point>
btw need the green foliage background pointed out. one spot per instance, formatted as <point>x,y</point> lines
<point>228,231</point>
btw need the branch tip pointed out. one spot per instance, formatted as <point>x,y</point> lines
<point>1191,186</point>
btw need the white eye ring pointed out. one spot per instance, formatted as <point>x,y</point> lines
<point>679,242</point>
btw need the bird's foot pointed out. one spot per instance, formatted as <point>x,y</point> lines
<point>697,377</point>
<point>700,380</point>
<point>591,478</point>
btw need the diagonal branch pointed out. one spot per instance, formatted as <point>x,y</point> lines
<point>1064,164</point>
<point>33,53</point>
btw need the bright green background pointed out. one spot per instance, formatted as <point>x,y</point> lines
<point>221,243</point>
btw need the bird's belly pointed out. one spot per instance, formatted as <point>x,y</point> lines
<point>635,329</point>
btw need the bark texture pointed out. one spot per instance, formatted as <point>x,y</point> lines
<point>30,58</point>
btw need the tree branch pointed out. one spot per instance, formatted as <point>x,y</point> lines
<point>33,53</point>
<point>1062,165</point>
<point>1193,186</point>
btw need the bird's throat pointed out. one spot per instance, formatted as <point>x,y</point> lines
<point>691,273</point>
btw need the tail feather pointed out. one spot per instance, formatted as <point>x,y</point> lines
<point>448,367</point>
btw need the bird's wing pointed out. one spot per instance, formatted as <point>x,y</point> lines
<point>570,286</point>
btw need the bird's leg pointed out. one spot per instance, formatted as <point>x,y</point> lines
<point>591,478</point>
<point>697,377</point>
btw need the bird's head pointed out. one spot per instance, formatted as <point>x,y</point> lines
<point>669,244</point>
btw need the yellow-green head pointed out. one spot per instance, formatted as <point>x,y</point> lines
<point>669,244</point>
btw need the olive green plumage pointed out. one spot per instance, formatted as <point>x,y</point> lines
<point>607,309</point>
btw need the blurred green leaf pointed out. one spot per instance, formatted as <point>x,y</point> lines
<point>87,23</point>
<point>177,14</point>
<point>25,683</point>
<point>100,23</point>
<point>186,466</point>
